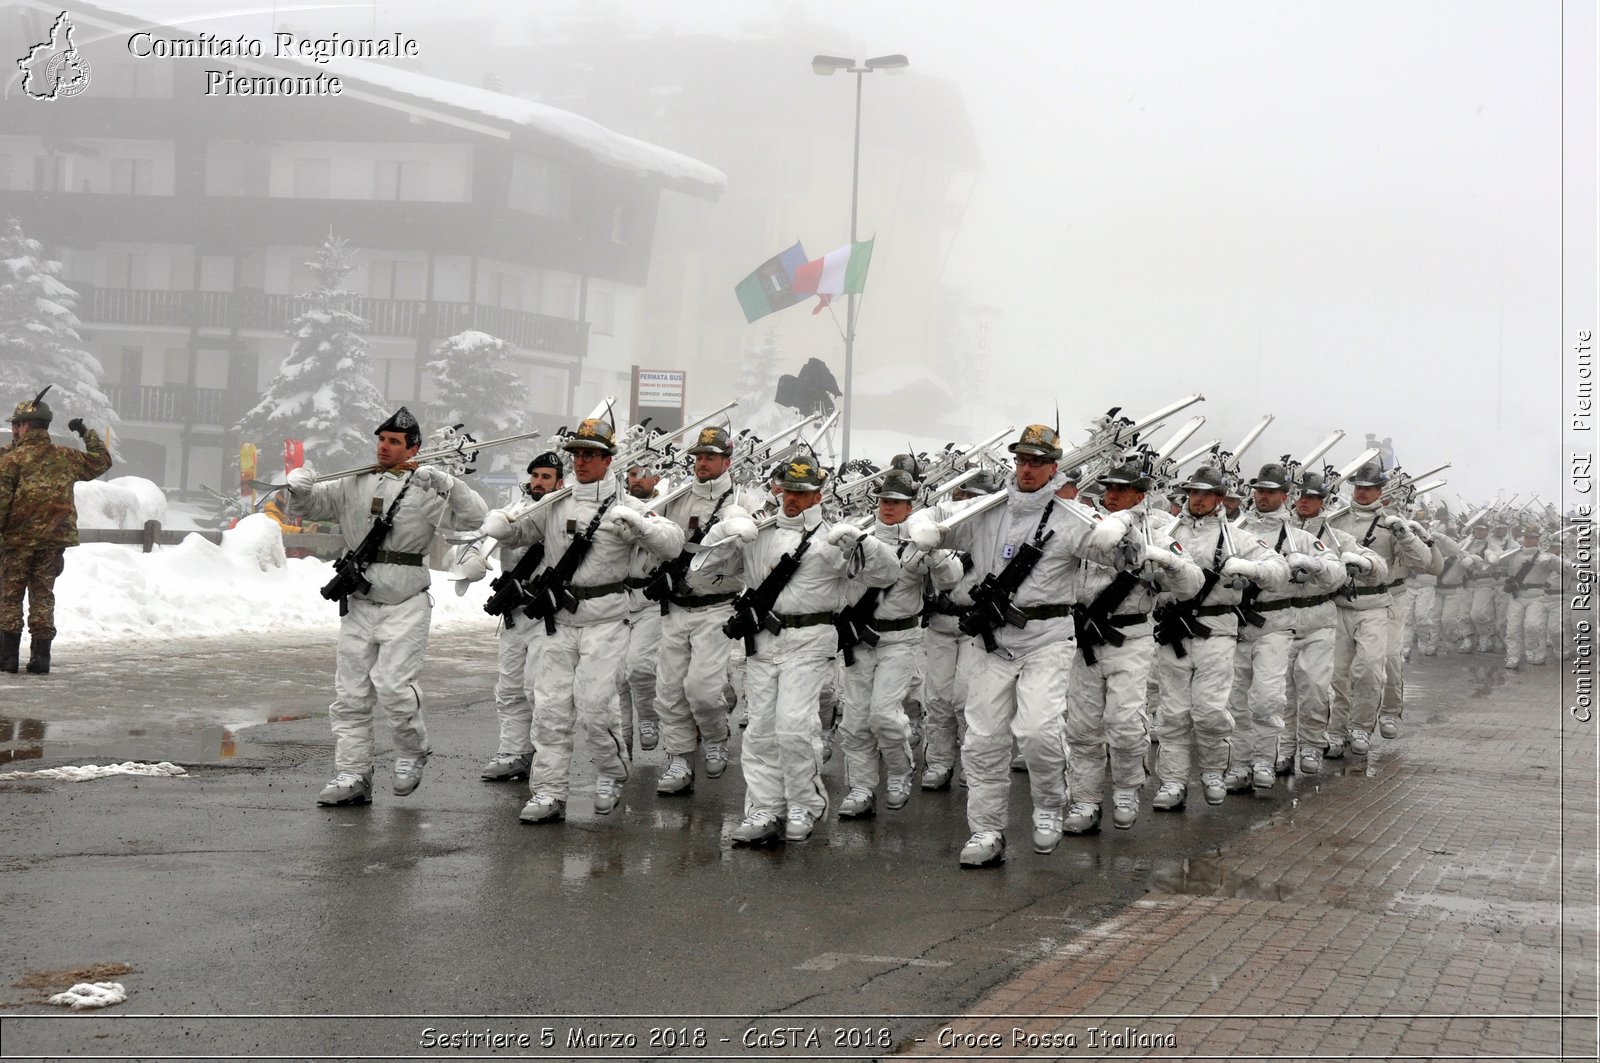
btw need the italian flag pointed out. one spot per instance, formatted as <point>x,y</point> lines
<point>835,273</point>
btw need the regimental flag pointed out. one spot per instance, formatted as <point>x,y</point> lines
<point>836,273</point>
<point>771,287</point>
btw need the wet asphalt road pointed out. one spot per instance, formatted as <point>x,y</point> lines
<point>230,894</point>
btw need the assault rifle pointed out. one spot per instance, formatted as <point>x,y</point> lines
<point>752,607</point>
<point>350,570</point>
<point>551,591</point>
<point>854,624</point>
<point>668,578</point>
<point>508,591</point>
<point>992,607</point>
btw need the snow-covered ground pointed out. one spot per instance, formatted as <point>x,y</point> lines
<point>199,589</point>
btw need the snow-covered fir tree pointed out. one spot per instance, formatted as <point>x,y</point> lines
<point>39,342</point>
<point>760,368</point>
<point>323,393</point>
<point>476,384</point>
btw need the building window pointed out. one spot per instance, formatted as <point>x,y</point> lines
<point>405,179</point>
<point>396,378</point>
<point>127,269</point>
<point>561,299</point>
<point>389,278</point>
<point>505,289</point>
<point>540,187</point>
<point>602,312</point>
<point>312,178</point>
<point>176,369</point>
<point>5,173</point>
<point>52,173</point>
<point>131,177</point>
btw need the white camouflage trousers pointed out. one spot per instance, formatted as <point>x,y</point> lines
<point>1454,605</point>
<point>376,664</point>
<point>1525,630</point>
<point>576,688</point>
<point>947,663</point>
<point>1423,618</point>
<point>636,681</point>
<point>1018,699</point>
<point>874,719</point>
<point>1393,702</point>
<point>518,659</point>
<point>691,678</point>
<point>1194,717</point>
<point>1260,694</point>
<point>1358,670</point>
<point>782,750</point>
<point>1105,713</point>
<point>1310,687</point>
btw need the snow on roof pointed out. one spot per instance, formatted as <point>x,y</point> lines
<point>595,140</point>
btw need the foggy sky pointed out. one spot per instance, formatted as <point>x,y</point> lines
<point>1345,214</point>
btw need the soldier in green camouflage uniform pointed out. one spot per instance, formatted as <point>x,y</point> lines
<point>38,521</point>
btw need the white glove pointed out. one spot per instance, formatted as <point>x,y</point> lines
<point>926,534</point>
<point>496,525</point>
<point>1109,532</point>
<point>301,480</point>
<point>1399,529</point>
<point>1362,564</point>
<point>844,535</point>
<point>733,512</point>
<point>1300,566</point>
<point>1238,566</point>
<point>430,478</point>
<point>1160,555</point>
<point>472,566</point>
<point>625,521</point>
<point>740,525</point>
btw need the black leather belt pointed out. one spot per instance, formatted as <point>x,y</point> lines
<point>1272,607</point>
<point>1397,583</point>
<point>396,557</point>
<point>1213,610</point>
<point>637,583</point>
<point>694,601</point>
<point>789,620</point>
<point>1382,588</point>
<point>1312,602</point>
<point>1051,612</point>
<point>899,623</point>
<point>599,590</point>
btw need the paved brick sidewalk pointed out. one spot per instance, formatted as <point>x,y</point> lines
<point>1441,906</point>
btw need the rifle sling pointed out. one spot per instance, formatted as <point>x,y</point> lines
<point>1094,623</point>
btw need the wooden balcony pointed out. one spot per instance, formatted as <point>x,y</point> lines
<point>262,311</point>
<point>178,404</point>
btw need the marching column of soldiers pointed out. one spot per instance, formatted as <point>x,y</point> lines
<point>1089,616</point>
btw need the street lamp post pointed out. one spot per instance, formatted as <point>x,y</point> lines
<point>827,64</point>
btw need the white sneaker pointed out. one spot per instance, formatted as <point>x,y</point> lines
<point>408,774</point>
<point>1310,760</point>
<point>347,788</point>
<point>1236,779</point>
<point>1389,726</point>
<point>984,849</point>
<point>649,734</point>
<point>1046,830</point>
<point>856,804</point>
<point>898,791</point>
<point>1261,775</point>
<point>1125,809</point>
<point>606,792</point>
<point>1360,742</point>
<point>678,778</point>
<point>506,767</point>
<point>1335,750</point>
<point>1082,818</point>
<point>800,824</point>
<point>1215,791</point>
<point>716,759</point>
<point>543,808</point>
<point>937,777</point>
<point>1170,797</point>
<point>757,829</point>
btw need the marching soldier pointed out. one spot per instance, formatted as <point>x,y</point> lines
<point>795,573</point>
<point>1116,647</point>
<point>38,521</point>
<point>520,640</point>
<point>383,627</point>
<point>1016,688</point>
<point>589,538</point>
<point>1526,574</point>
<point>1194,657</point>
<point>636,681</point>
<point>1361,650</point>
<point>693,659</point>
<point>877,683</point>
<point>1483,587</point>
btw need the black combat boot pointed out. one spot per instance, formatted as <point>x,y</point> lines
<point>10,647</point>
<point>38,655</point>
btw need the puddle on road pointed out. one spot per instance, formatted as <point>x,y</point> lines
<point>1210,876</point>
<point>26,739</point>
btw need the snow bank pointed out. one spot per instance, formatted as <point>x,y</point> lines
<point>121,502</point>
<point>90,772</point>
<point>198,589</point>
<point>91,995</point>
